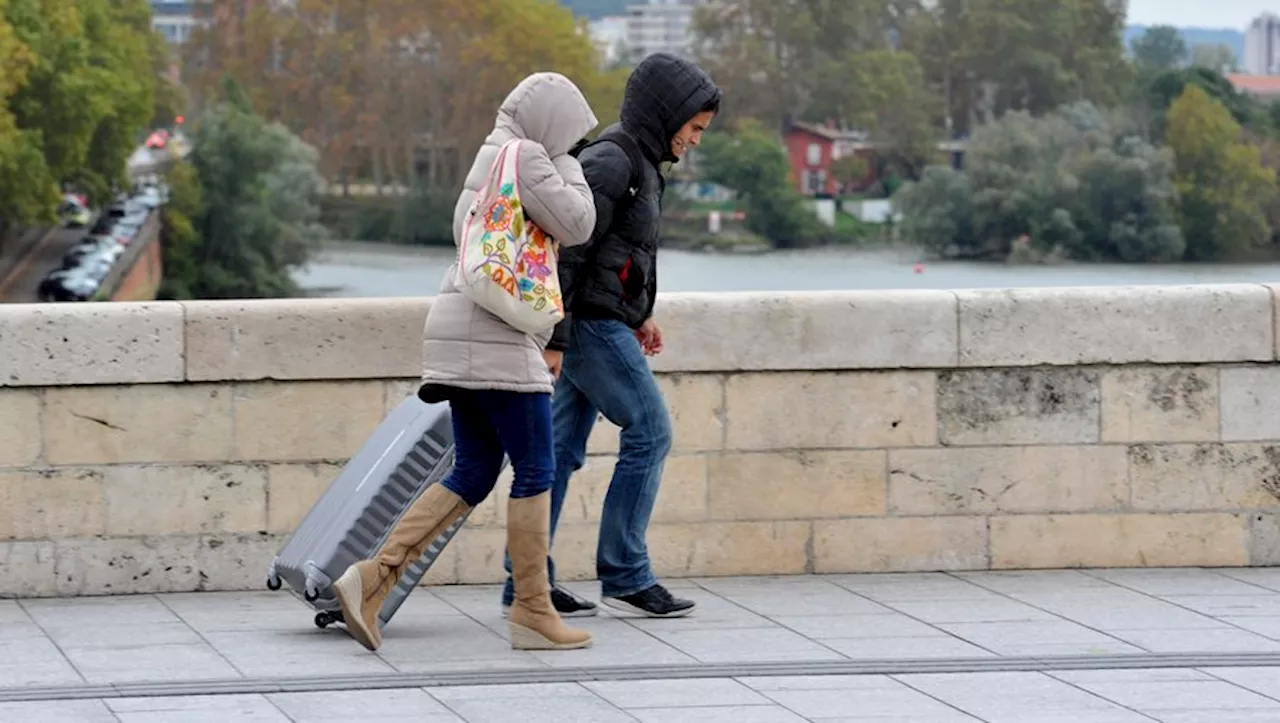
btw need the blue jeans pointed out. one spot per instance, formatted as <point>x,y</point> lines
<point>605,372</point>
<point>488,424</point>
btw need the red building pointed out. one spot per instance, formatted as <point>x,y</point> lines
<point>813,149</point>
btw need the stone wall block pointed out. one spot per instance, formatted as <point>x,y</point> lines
<point>757,331</point>
<point>1160,404</point>
<point>1116,325</point>
<point>1018,406</point>
<point>70,344</point>
<point>290,339</point>
<point>846,410</point>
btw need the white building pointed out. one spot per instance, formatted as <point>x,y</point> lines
<point>660,26</point>
<point>610,38</point>
<point>175,19</point>
<point>1262,45</point>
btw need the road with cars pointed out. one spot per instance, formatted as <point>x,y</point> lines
<point>72,263</point>
<point>22,284</point>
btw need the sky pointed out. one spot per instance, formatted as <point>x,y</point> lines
<point>1201,13</point>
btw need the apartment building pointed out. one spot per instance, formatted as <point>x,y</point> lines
<point>1262,45</point>
<point>660,26</point>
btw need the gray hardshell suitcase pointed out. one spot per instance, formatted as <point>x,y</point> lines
<point>409,451</point>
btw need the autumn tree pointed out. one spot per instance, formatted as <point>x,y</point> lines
<point>400,92</point>
<point>988,57</point>
<point>1222,185</point>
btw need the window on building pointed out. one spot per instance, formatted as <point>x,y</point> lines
<point>814,154</point>
<point>815,181</point>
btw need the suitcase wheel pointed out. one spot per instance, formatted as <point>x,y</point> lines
<point>325,618</point>
<point>311,594</point>
<point>273,582</point>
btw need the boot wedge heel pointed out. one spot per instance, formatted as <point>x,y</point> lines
<point>523,638</point>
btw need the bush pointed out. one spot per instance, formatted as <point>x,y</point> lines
<point>1074,184</point>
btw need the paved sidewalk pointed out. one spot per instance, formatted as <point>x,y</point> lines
<point>1106,646</point>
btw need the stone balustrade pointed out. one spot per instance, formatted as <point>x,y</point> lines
<point>173,446</point>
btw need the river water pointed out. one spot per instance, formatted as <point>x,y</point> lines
<point>354,269</point>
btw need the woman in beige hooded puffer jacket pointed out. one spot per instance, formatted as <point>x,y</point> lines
<point>496,382</point>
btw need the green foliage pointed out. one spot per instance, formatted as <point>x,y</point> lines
<point>1163,88</point>
<point>1075,183</point>
<point>1159,49</point>
<point>752,163</point>
<point>253,214</point>
<point>1223,187</point>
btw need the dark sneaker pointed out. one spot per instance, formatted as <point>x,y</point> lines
<point>653,602</point>
<point>567,604</point>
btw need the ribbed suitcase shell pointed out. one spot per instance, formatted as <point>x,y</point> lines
<point>409,451</point>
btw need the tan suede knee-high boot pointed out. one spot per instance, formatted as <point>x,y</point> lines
<point>365,585</point>
<point>533,621</point>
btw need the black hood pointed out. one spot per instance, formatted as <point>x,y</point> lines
<point>663,93</point>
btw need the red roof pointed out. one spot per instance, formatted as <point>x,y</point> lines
<point>1257,84</point>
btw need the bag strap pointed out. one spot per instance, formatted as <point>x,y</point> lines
<point>628,144</point>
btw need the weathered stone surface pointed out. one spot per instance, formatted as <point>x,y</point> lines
<point>119,343</point>
<point>754,331</point>
<point>990,480</point>
<point>304,338</point>
<point>1160,404</point>
<point>139,423</point>
<point>1194,477</point>
<point>900,544</point>
<point>682,496</point>
<point>730,548</point>
<point>798,485</point>
<point>236,562</point>
<point>1250,403</point>
<point>19,427</point>
<point>305,421</point>
<point>1157,540</point>
<point>1018,406</point>
<point>29,569</point>
<point>1275,301</point>
<point>155,500</point>
<point>1099,325</point>
<point>292,490</point>
<point>50,504</point>
<point>831,410</point>
<point>1264,539</point>
<point>398,390</point>
<point>128,565</point>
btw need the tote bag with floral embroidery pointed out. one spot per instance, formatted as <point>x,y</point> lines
<point>506,264</point>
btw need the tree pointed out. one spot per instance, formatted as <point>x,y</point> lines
<point>401,92</point>
<point>751,162</point>
<point>20,200</point>
<point>1075,183</point>
<point>251,203</point>
<point>1222,185</point>
<point>1159,49</point>
<point>1218,57</point>
<point>1164,88</point>
<point>822,61</point>
<point>985,58</point>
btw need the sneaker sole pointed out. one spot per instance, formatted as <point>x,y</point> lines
<point>349,589</point>
<point>588,613</point>
<point>627,607</point>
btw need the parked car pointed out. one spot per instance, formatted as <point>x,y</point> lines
<point>74,211</point>
<point>69,285</point>
<point>92,246</point>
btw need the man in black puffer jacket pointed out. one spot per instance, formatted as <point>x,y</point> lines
<point>599,351</point>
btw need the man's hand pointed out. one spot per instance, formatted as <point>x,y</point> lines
<point>650,337</point>
<point>553,359</point>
